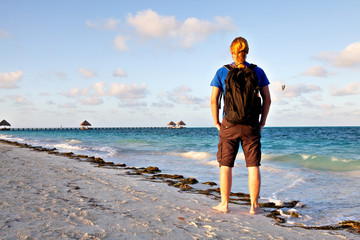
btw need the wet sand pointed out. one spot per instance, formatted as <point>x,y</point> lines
<point>46,196</point>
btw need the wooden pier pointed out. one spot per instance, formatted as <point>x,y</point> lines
<point>78,129</point>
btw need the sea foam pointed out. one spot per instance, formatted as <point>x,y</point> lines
<point>69,147</point>
<point>194,155</point>
<point>74,141</point>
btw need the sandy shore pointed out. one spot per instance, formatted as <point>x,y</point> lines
<point>47,196</point>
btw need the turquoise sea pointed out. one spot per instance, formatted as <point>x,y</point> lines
<point>318,166</point>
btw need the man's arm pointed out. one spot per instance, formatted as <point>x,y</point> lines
<point>215,106</point>
<point>265,95</point>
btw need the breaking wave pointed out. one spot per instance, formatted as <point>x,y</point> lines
<point>316,162</point>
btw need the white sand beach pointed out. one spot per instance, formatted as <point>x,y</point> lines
<point>47,196</point>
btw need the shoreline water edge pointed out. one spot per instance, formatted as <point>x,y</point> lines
<point>179,184</point>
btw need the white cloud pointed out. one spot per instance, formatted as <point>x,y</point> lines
<point>151,25</point>
<point>119,73</point>
<point>7,80</point>
<point>194,30</point>
<point>11,77</point>
<point>148,24</point>
<point>316,71</point>
<point>298,90</point>
<point>104,24</point>
<point>291,91</point>
<point>351,89</point>
<point>349,57</point>
<point>87,73</point>
<point>128,92</point>
<point>76,92</point>
<point>91,95</point>
<point>4,34</point>
<point>182,95</point>
<point>73,92</point>
<point>99,88</point>
<point>120,43</point>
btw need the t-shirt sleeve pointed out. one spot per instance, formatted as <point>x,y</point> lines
<point>216,82</point>
<point>263,80</point>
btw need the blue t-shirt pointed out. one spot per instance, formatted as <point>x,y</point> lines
<point>220,76</point>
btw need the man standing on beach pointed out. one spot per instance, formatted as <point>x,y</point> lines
<point>232,133</point>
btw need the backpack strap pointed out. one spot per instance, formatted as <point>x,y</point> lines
<point>252,66</point>
<point>228,67</point>
<point>219,99</point>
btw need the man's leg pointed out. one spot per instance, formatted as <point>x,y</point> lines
<point>225,188</point>
<point>254,189</point>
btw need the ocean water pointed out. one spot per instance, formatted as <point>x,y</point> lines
<point>318,166</point>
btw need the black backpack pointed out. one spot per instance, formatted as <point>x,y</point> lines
<point>242,103</point>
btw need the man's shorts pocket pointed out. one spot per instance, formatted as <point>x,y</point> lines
<point>226,129</point>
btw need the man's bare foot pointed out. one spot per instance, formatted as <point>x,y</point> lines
<point>257,210</point>
<point>221,208</point>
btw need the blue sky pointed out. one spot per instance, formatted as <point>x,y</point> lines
<point>146,63</point>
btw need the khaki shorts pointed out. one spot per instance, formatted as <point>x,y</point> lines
<point>230,136</point>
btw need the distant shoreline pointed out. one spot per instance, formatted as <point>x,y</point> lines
<point>110,128</point>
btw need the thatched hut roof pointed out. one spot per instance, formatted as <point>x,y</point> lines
<point>85,123</point>
<point>4,123</point>
<point>181,123</point>
<point>171,123</point>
